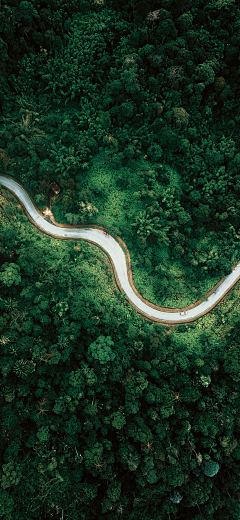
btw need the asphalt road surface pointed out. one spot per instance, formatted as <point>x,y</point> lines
<point>111,246</point>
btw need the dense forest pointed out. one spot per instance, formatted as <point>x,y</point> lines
<point>132,107</point>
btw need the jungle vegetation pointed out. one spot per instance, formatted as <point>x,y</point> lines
<point>132,107</point>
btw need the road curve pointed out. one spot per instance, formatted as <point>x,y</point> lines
<point>118,259</point>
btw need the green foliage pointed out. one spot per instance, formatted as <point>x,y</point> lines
<point>133,110</point>
<point>11,475</point>
<point>185,21</point>
<point>10,274</point>
<point>43,434</point>
<point>129,80</point>
<point>6,503</point>
<point>204,73</point>
<point>23,368</point>
<point>168,138</point>
<point>76,382</point>
<point>118,420</point>
<point>101,349</point>
<point>210,468</point>
<point>114,491</point>
<point>205,380</point>
<point>174,476</point>
<point>93,456</point>
<point>60,406</point>
<point>148,223</point>
<point>176,497</point>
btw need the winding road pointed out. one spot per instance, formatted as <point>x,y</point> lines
<point>118,259</point>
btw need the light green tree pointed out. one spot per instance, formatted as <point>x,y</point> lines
<point>101,349</point>
<point>10,274</point>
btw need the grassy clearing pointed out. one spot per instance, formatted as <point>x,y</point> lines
<point>113,193</point>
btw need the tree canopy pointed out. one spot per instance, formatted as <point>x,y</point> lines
<point>132,108</point>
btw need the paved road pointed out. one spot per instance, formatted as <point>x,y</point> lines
<point>111,246</point>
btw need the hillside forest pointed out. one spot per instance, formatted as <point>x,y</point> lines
<point>132,108</point>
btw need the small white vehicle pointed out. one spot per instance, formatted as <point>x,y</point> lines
<point>183,313</point>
